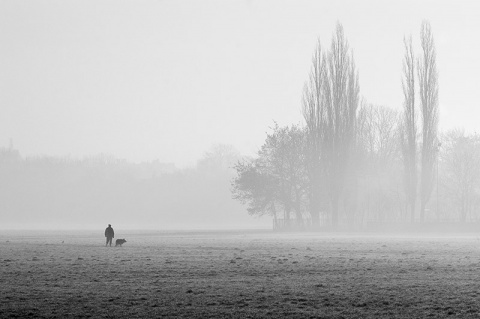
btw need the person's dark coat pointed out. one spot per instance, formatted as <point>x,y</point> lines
<point>109,232</point>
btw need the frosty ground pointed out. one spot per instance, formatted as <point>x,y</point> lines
<point>238,274</point>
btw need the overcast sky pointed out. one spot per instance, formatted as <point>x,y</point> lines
<point>145,80</point>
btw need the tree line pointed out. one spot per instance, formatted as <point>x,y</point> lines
<point>48,191</point>
<point>352,162</point>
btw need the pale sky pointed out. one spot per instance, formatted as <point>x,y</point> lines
<point>145,80</point>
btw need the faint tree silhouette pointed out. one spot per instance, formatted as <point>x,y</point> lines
<point>313,108</point>
<point>428,87</point>
<point>377,156</point>
<point>462,170</point>
<point>330,105</point>
<point>409,129</point>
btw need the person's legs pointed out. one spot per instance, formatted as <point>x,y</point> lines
<point>110,241</point>
<point>106,243</point>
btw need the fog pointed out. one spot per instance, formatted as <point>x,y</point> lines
<point>64,193</point>
<point>230,115</point>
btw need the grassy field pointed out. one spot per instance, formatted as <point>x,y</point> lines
<point>238,274</point>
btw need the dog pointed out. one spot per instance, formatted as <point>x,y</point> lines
<point>120,242</point>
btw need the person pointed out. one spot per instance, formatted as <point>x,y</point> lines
<point>109,233</point>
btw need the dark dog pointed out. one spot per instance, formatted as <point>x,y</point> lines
<point>120,242</point>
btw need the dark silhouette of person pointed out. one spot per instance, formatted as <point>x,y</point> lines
<point>109,233</point>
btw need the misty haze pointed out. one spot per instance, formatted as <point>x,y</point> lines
<point>241,159</point>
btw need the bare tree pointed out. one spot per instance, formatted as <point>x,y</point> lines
<point>409,128</point>
<point>377,157</point>
<point>428,85</point>
<point>342,96</point>
<point>282,154</point>
<point>330,106</point>
<point>462,170</point>
<point>313,112</point>
<point>276,178</point>
<point>255,187</point>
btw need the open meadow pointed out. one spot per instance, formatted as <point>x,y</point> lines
<point>238,274</point>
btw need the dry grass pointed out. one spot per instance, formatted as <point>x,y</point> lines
<point>238,275</point>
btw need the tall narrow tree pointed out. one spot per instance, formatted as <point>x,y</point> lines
<point>330,105</point>
<point>409,131</point>
<point>313,112</point>
<point>428,85</point>
<point>342,96</point>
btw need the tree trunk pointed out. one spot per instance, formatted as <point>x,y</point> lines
<point>314,206</point>
<point>298,209</point>
<point>422,211</point>
<point>314,213</point>
<point>412,212</point>
<point>335,210</point>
